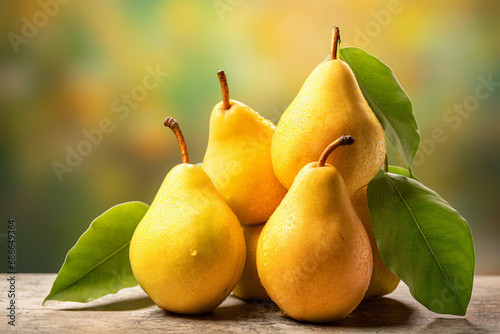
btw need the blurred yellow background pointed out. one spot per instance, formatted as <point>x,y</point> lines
<point>67,67</point>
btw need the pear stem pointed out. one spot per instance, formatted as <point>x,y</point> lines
<point>172,123</point>
<point>224,88</point>
<point>343,140</point>
<point>335,43</point>
<point>386,165</point>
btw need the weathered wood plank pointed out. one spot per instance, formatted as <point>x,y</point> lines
<point>132,311</point>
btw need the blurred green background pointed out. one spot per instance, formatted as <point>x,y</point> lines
<point>76,59</point>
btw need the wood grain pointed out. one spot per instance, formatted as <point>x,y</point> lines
<point>131,311</point>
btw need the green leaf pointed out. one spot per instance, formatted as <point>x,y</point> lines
<point>99,264</point>
<point>401,171</point>
<point>424,241</point>
<point>387,99</point>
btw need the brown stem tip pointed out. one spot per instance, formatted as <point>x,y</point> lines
<point>343,140</point>
<point>224,88</point>
<point>335,43</point>
<point>172,123</point>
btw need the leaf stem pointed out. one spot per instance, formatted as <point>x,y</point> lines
<point>172,123</point>
<point>224,88</point>
<point>335,43</point>
<point>343,140</point>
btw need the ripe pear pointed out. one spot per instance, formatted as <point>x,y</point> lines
<point>313,256</point>
<point>328,105</point>
<point>383,280</point>
<point>249,286</point>
<point>238,159</point>
<point>188,252</point>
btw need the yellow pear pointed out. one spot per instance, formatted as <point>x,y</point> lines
<point>328,105</point>
<point>249,286</point>
<point>383,280</point>
<point>188,252</point>
<point>238,159</point>
<point>313,256</point>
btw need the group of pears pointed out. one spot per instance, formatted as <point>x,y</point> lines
<point>274,212</point>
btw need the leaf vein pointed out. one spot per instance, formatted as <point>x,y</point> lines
<point>427,243</point>
<point>95,266</point>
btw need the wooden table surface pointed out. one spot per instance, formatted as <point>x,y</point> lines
<point>130,310</point>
